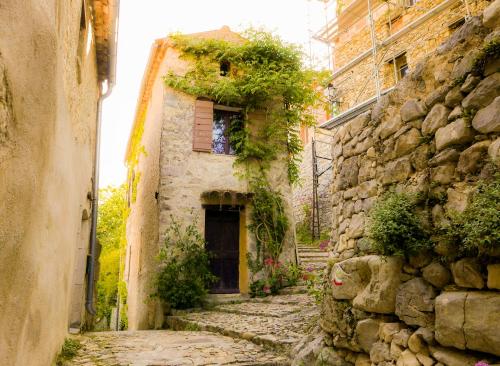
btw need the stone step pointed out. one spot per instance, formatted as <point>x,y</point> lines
<point>314,255</point>
<point>321,261</point>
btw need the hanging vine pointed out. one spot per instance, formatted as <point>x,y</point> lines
<point>261,73</point>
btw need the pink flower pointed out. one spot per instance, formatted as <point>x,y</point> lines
<point>309,269</point>
<point>305,276</point>
<point>266,289</point>
<point>324,245</point>
<point>268,261</point>
<point>481,363</point>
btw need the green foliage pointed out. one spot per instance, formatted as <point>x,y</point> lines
<point>69,350</point>
<point>111,233</point>
<point>477,229</point>
<point>184,276</point>
<point>276,277</point>
<point>394,228</point>
<point>489,51</point>
<point>316,285</point>
<point>268,220</point>
<point>293,274</point>
<point>265,74</point>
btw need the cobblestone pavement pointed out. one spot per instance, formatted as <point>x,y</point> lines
<point>275,322</point>
<point>251,332</point>
<point>170,348</point>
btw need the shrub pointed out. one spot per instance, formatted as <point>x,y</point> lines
<point>394,228</point>
<point>477,229</point>
<point>184,276</point>
<point>69,350</point>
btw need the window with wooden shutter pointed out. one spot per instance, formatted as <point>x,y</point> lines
<point>202,130</point>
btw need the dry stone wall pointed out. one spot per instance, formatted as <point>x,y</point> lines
<point>437,133</point>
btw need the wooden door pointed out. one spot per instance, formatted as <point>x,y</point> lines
<point>222,234</point>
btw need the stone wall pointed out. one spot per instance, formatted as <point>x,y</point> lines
<point>356,84</point>
<point>48,101</point>
<point>437,134</point>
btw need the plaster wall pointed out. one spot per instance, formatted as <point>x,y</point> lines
<point>47,124</point>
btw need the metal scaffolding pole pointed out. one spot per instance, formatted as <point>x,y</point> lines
<point>374,50</point>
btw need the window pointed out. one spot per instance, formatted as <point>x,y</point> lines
<point>402,66</point>
<point>225,67</point>
<point>220,131</point>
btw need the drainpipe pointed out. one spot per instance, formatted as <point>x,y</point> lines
<point>91,258</point>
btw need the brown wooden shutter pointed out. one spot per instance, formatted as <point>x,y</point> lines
<point>202,130</point>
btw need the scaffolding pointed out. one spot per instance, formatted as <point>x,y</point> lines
<point>384,48</point>
<point>320,165</point>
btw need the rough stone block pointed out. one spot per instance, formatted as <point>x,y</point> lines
<point>386,331</point>
<point>467,273</point>
<point>454,97</point>
<point>491,15</point>
<point>451,357</point>
<point>415,302</point>
<point>494,152</point>
<point>446,156</point>
<point>457,132</point>
<point>487,90</point>
<point>436,274</point>
<point>407,358</point>
<point>407,142</point>
<point>487,120</point>
<point>472,158</point>
<point>482,322</point>
<point>458,197</point>
<point>470,83</point>
<point>413,109</point>
<point>397,171</point>
<point>348,176</point>
<point>367,333</point>
<point>437,118</point>
<point>380,352</point>
<point>380,285</point>
<point>494,276</point>
<point>443,174</point>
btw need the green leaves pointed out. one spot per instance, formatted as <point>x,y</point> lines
<point>184,275</point>
<point>394,227</point>
<point>264,72</point>
<point>477,229</point>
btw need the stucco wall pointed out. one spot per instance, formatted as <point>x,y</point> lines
<point>46,155</point>
<point>184,175</point>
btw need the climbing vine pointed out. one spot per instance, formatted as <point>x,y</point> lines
<point>258,73</point>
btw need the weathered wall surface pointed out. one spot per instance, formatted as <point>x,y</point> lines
<point>47,128</point>
<point>302,193</point>
<point>180,176</point>
<point>357,84</point>
<point>437,134</point>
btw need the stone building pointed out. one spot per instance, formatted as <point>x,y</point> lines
<point>54,57</point>
<point>404,32</point>
<point>436,134</point>
<point>181,167</point>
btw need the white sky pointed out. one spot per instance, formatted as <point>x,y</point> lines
<point>143,21</point>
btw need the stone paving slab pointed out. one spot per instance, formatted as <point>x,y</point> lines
<point>170,348</point>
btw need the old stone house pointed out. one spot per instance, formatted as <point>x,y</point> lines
<point>181,166</point>
<point>54,58</point>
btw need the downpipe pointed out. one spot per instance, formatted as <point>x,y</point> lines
<point>92,256</point>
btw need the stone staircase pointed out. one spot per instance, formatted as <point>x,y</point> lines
<point>277,322</point>
<point>313,258</point>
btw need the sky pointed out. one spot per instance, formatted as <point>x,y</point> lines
<point>141,22</point>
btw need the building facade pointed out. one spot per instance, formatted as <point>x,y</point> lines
<point>53,58</point>
<point>181,166</point>
<point>376,43</point>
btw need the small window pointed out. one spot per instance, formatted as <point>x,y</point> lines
<point>220,131</point>
<point>456,24</point>
<point>402,66</point>
<point>225,67</point>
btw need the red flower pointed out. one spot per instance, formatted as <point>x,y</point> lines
<point>268,262</point>
<point>266,289</point>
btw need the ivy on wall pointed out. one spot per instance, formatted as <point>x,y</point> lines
<point>260,73</point>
